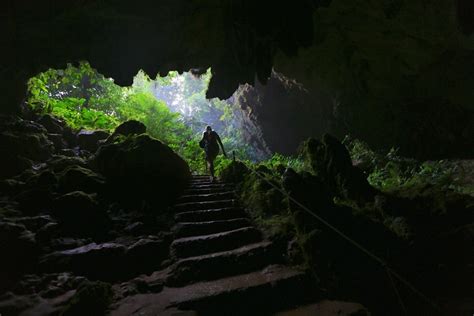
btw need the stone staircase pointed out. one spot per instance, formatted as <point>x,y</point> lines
<point>224,266</point>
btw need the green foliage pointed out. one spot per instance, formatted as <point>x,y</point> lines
<point>173,108</point>
<point>392,173</point>
<point>279,162</point>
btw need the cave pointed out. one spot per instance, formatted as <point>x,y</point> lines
<point>338,179</point>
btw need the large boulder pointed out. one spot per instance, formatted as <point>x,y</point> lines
<point>80,214</point>
<point>89,140</point>
<point>142,168</point>
<point>77,178</point>
<point>331,162</point>
<point>131,127</point>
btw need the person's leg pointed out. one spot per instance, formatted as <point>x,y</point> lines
<point>211,167</point>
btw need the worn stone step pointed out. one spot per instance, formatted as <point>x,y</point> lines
<point>228,186</point>
<point>208,227</point>
<point>205,205</point>
<point>199,245</point>
<point>211,215</point>
<point>200,176</point>
<point>212,266</point>
<point>227,195</point>
<point>257,293</point>
<point>206,191</point>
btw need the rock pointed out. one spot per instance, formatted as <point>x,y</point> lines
<point>77,178</point>
<point>26,127</point>
<point>235,172</point>
<point>80,214</point>
<point>142,168</point>
<point>331,162</point>
<point>34,223</point>
<point>146,254</point>
<point>39,194</point>
<point>58,141</point>
<point>67,152</point>
<point>10,187</point>
<point>22,148</point>
<point>18,250</point>
<point>136,228</point>
<point>59,163</point>
<point>34,201</point>
<point>52,124</point>
<point>97,261</point>
<point>91,298</point>
<point>131,127</point>
<point>89,140</point>
<point>40,295</point>
<point>47,232</point>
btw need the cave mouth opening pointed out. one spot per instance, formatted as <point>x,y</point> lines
<point>174,108</point>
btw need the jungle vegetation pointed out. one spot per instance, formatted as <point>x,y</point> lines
<point>174,108</point>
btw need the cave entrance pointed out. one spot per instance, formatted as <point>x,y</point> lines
<point>174,108</point>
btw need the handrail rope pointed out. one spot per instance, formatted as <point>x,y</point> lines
<point>399,297</point>
<point>354,243</point>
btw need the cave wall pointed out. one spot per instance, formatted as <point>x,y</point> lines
<point>284,111</point>
<point>393,72</point>
<point>398,73</point>
<point>119,37</point>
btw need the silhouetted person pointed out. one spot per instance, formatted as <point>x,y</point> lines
<point>210,143</point>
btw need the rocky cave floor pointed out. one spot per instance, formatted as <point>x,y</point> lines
<point>71,245</point>
<point>80,232</point>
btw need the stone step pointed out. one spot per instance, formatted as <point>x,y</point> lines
<point>211,215</point>
<point>199,245</point>
<point>257,293</point>
<point>201,176</point>
<point>207,197</point>
<point>205,205</point>
<point>205,191</point>
<point>212,266</point>
<point>228,186</point>
<point>187,229</point>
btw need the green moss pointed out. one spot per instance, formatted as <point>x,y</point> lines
<point>91,298</point>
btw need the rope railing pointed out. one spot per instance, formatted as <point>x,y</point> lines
<point>390,271</point>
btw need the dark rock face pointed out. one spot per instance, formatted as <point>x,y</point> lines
<point>144,168</point>
<point>284,112</point>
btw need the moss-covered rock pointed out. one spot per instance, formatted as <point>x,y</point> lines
<point>77,178</point>
<point>89,140</point>
<point>91,298</point>
<point>142,168</point>
<point>331,162</point>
